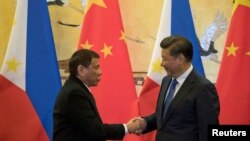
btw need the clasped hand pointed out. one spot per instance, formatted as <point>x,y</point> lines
<point>136,125</point>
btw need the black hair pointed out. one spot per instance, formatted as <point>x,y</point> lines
<point>81,57</point>
<point>178,45</point>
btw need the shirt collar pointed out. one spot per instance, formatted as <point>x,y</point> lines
<point>87,87</point>
<point>183,77</point>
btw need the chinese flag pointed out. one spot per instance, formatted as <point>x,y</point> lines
<point>233,80</point>
<point>102,31</point>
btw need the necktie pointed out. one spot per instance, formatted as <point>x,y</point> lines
<point>169,97</point>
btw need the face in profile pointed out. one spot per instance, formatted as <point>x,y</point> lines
<point>170,63</point>
<point>93,73</point>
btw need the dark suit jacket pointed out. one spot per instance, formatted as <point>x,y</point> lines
<point>76,117</point>
<point>194,107</point>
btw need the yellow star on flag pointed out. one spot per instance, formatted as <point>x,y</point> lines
<point>106,50</point>
<point>156,66</point>
<point>123,37</point>
<point>86,45</point>
<point>232,50</point>
<point>100,3</point>
<point>12,65</point>
<point>240,2</point>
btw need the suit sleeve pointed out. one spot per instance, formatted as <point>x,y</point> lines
<point>207,110</point>
<point>152,119</point>
<point>151,123</point>
<point>82,114</point>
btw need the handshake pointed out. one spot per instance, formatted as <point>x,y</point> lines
<point>136,125</point>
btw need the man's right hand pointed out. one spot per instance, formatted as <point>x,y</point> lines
<point>136,125</point>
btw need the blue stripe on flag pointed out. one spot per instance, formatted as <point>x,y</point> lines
<point>182,24</point>
<point>42,73</point>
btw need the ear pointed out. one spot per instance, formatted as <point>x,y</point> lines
<point>181,59</point>
<point>81,70</point>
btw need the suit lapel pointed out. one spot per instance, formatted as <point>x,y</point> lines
<point>88,93</point>
<point>93,103</point>
<point>181,94</point>
<point>163,92</point>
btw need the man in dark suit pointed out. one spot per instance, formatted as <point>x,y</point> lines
<point>194,103</point>
<point>75,115</point>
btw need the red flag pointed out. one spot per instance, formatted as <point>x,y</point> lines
<point>233,80</point>
<point>103,32</point>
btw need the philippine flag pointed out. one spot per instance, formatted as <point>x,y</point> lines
<point>176,19</point>
<point>29,78</point>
